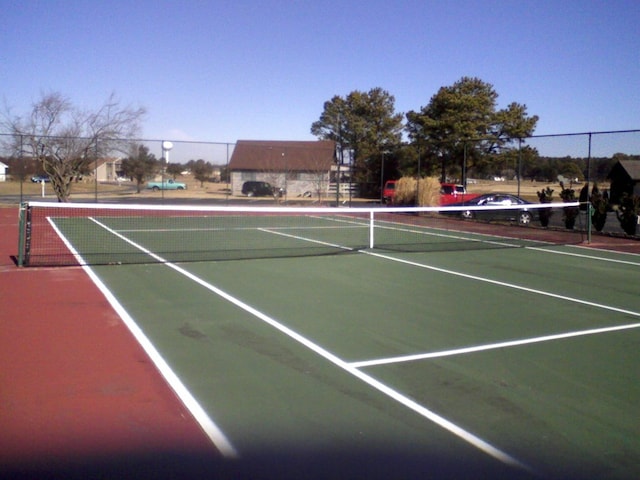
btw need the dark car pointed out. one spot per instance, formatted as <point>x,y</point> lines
<point>40,179</point>
<point>259,189</point>
<point>522,215</point>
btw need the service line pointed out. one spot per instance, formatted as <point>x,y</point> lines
<point>503,284</point>
<point>490,346</point>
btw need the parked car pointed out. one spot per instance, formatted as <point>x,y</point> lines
<point>260,189</point>
<point>40,179</point>
<point>389,191</point>
<point>522,215</point>
<point>166,185</point>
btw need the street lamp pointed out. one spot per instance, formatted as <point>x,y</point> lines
<point>286,186</point>
<point>382,179</point>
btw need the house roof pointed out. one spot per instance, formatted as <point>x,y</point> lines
<point>268,155</point>
<point>629,167</point>
<point>101,161</point>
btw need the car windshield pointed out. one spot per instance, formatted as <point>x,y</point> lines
<point>500,200</point>
<point>451,189</point>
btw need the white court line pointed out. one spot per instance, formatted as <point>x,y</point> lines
<point>214,433</point>
<point>491,346</point>
<point>436,233</point>
<point>582,255</point>
<point>504,284</point>
<point>458,431</point>
<point>282,234</point>
<point>460,351</point>
<point>226,229</point>
<point>508,242</point>
<point>512,343</point>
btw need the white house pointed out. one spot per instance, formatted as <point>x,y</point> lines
<point>106,169</point>
<point>3,172</point>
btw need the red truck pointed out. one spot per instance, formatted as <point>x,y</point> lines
<point>452,193</point>
<point>389,191</point>
<point>449,193</point>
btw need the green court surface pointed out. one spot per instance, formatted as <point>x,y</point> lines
<point>511,361</point>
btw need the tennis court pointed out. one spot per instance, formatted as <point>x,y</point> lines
<point>427,350</point>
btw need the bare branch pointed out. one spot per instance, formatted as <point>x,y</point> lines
<point>65,140</point>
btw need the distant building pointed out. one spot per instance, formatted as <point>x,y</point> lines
<point>298,167</point>
<point>3,172</point>
<point>625,178</point>
<point>106,169</point>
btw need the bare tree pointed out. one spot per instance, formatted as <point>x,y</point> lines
<point>66,140</point>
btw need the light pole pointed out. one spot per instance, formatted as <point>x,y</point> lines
<point>382,178</point>
<point>284,161</point>
<point>419,177</point>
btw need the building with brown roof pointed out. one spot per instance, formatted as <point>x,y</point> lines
<point>298,167</point>
<point>625,178</point>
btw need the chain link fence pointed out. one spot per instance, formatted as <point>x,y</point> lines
<point>532,165</point>
<point>102,179</point>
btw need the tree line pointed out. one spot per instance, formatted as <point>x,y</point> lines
<point>459,134</point>
<point>460,122</point>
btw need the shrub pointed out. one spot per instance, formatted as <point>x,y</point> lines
<point>545,196</point>
<point>600,205</point>
<point>568,195</point>
<point>408,189</point>
<point>627,213</point>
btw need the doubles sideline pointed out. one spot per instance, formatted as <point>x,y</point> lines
<point>215,434</point>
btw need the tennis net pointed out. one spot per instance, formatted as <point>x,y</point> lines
<point>57,234</point>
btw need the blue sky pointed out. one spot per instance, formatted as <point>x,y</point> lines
<point>228,70</point>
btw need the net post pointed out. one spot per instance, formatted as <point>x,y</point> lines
<point>22,232</point>
<point>371,225</point>
<point>589,214</point>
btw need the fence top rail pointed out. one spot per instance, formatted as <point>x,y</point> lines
<point>205,142</point>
